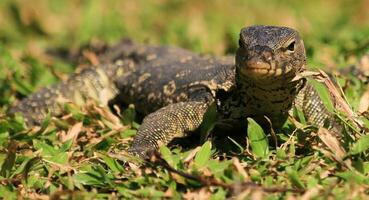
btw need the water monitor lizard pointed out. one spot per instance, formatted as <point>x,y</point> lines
<point>175,87</point>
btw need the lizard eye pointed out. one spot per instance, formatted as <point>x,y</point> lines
<point>291,46</point>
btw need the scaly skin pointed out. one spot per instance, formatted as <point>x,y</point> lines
<point>175,87</point>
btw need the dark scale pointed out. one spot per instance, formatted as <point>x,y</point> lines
<point>174,87</point>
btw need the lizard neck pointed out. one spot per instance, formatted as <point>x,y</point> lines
<point>273,98</point>
<point>267,96</point>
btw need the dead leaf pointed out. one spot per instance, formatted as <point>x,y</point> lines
<point>305,74</point>
<point>337,152</point>
<point>91,57</point>
<point>364,101</point>
<point>329,139</point>
<point>168,193</point>
<point>243,195</point>
<point>311,193</point>
<point>325,174</point>
<point>72,133</point>
<point>257,194</point>
<point>104,112</point>
<point>363,63</point>
<point>203,193</point>
<point>240,168</point>
<point>191,155</point>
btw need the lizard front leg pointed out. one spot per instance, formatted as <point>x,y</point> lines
<point>160,127</point>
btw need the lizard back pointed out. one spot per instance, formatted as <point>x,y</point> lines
<point>170,75</point>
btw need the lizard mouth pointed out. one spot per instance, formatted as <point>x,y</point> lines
<point>256,68</point>
<point>264,71</point>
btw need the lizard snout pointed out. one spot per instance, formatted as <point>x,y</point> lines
<point>256,62</point>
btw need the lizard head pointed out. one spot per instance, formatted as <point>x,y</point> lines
<point>270,53</point>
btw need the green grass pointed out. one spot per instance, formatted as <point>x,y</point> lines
<point>81,156</point>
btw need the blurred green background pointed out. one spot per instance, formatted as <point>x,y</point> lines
<point>204,26</point>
